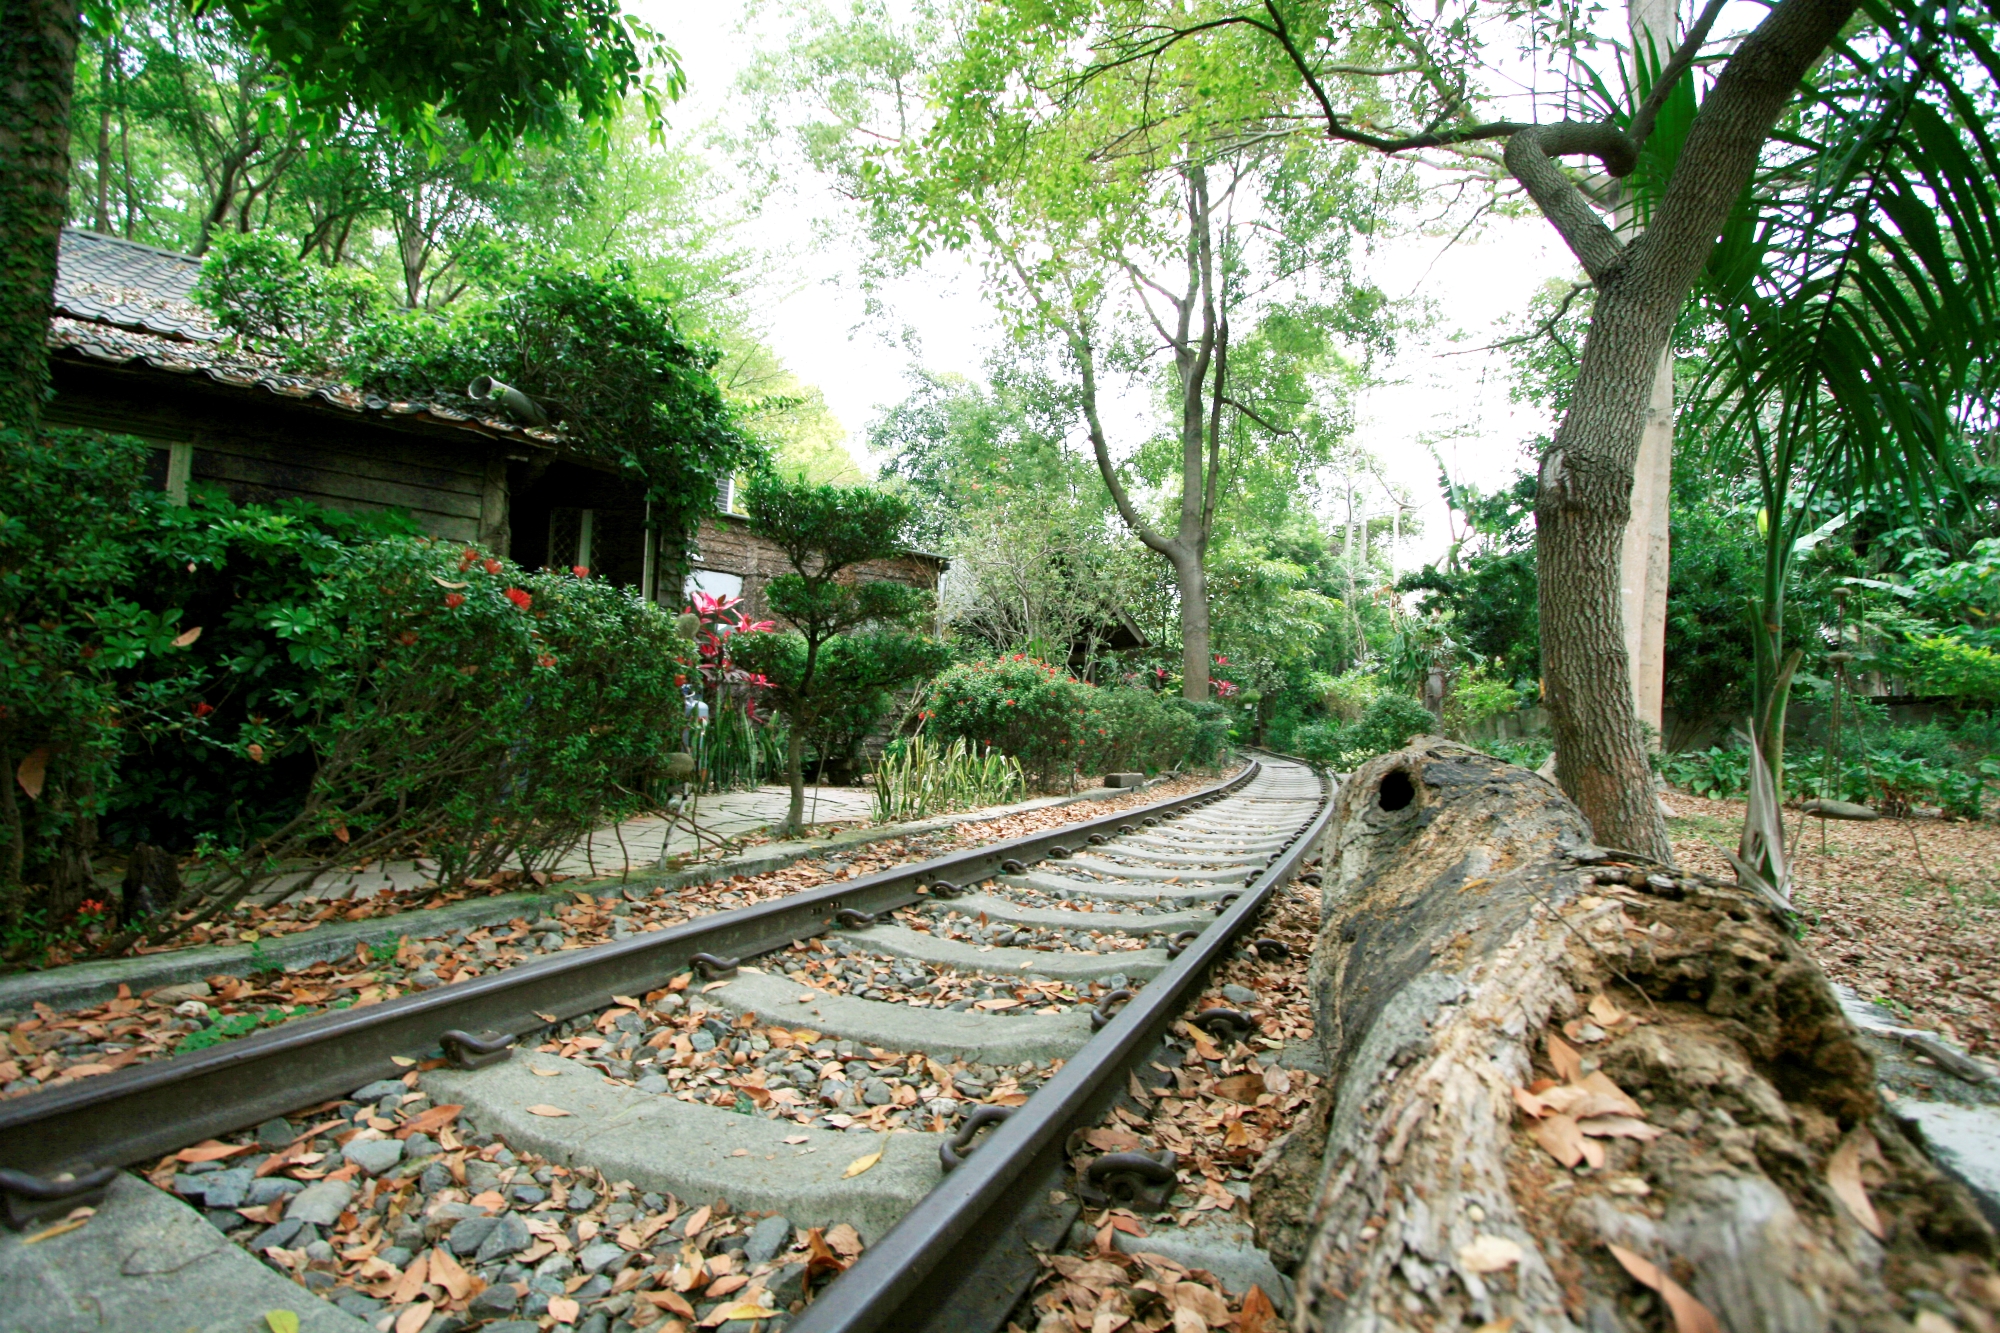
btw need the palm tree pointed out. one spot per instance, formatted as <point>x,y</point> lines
<point>1852,305</point>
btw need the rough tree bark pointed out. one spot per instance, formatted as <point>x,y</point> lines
<point>1466,919</point>
<point>1586,477</point>
<point>38,65</point>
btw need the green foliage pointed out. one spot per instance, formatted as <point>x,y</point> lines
<point>1019,706</point>
<point>505,73</point>
<point>1943,664</point>
<point>1387,723</point>
<point>1058,726</point>
<point>259,287</point>
<point>70,524</point>
<point>918,777</point>
<point>1478,695</point>
<point>1715,773</point>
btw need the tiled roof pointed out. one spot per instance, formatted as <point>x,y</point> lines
<point>124,303</point>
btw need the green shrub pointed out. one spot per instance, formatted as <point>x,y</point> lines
<point>1058,726</point>
<point>1715,773</point>
<point>1135,730</point>
<point>1020,707</point>
<point>1386,724</point>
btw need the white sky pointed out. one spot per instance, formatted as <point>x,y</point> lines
<point>819,324</point>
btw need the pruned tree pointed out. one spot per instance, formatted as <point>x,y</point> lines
<point>849,641</point>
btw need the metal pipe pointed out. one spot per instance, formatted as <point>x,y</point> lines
<point>519,406</point>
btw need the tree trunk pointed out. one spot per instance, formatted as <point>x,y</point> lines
<point>1192,580</point>
<point>795,773</point>
<point>1460,940</point>
<point>38,62</point>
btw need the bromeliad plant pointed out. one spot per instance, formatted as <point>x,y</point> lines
<point>730,740</point>
<point>918,777</point>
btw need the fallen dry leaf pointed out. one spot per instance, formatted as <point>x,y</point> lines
<point>447,1273</point>
<point>1258,1314</point>
<point>1690,1315</point>
<point>416,1316</point>
<point>697,1220</point>
<point>1489,1254</point>
<point>1619,1127</point>
<point>1843,1172</point>
<point>1560,1137</point>
<point>860,1164</point>
<point>33,771</point>
<point>547,1110</point>
<point>1564,1060</point>
<point>1604,1012</point>
<point>844,1241</point>
<point>562,1307</point>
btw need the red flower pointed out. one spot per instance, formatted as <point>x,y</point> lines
<point>581,571</point>
<point>1220,660</point>
<point>203,709</point>
<point>454,600</point>
<point>545,661</point>
<point>491,566</point>
<point>519,598</point>
<point>407,637</point>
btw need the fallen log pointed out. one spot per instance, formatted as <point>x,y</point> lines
<point>1573,1090</point>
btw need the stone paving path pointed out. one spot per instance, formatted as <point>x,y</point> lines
<point>635,844</point>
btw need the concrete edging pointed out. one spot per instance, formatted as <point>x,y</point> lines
<point>77,984</point>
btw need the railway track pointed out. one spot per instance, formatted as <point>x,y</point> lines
<point>900,1061</point>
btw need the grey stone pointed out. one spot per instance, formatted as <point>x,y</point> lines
<point>654,1083</point>
<point>371,1093</point>
<point>436,1177</point>
<point>581,1198</point>
<point>361,1307</point>
<point>527,1196</point>
<point>470,1233</point>
<point>320,1203</point>
<point>702,1039</point>
<point>875,1092</point>
<point>510,1235</point>
<point>319,1252</point>
<point>419,1146</point>
<point>1964,1141</point>
<point>591,1290</point>
<point>481,1176</point>
<point>224,1220</point>
<point>374,1155</point>
<point>786,1285</point>
<point>227,1189</point>
<point>269,1188</point>
<point>425,979</point>
<point>279,1236</point>
<point>396,1255</point>
<point>169,996</point>
<point>595,1322</point>
<point>557,1266</point>
<point>767,1239</point>
<point>597,1257</point>
<point>495,1300</point>
<point>275,1133</point>
<point>1239,994</point>
<point>516,1325</point>
<point>190,1186</point>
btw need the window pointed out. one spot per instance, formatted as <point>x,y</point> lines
<point>725,494</point>
<point>713,582</point>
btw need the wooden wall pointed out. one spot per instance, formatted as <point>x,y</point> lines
<point>725,543</point>
<point>262,449</point>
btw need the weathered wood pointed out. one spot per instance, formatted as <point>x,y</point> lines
<point>1463,925</point>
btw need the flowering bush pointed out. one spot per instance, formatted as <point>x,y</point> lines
<point>1019,706</point>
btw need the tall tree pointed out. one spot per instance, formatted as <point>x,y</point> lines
<point>1118,221</point>
<point>504,73</point>
<point>1399,84</point>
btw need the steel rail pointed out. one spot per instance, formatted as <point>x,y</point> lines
<point>960,1260</point>
<point>142,1111</point>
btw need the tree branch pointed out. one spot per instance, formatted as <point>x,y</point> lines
<point>1530,157</point>
<point>1670,74</point>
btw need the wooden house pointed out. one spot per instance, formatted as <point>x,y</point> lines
<point>132,353</point>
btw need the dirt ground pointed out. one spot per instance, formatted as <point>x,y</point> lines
<point>1903,911</point>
